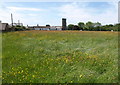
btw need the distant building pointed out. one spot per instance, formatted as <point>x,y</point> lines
<point>45,27</point>
<point>56,28</point>
<point>48,27</point>
<point>4,27</point>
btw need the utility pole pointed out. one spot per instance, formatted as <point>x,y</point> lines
<point>18,22</point>
<point>12,19</point>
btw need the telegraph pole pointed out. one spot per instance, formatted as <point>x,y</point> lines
<point>18,22</point>
<point>12,19</point>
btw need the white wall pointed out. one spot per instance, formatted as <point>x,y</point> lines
<point>41,28</point>
<point>0,26</point>
<point>47,29</point>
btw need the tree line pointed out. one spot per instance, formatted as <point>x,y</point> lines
<point>90,26</point>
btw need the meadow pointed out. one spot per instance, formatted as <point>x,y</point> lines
<point>60,57</point>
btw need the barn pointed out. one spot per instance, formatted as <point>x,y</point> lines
<point>48,27</point>
<point>4,27</point>
<point>45,27</point>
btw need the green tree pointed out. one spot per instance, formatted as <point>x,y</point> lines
<point>70,27</point>
<point>89,25</point>
<point>76,27</point>
<point>18,27</point>
<point>118,26</point>
<point>81,25</point>
<point>97,26</point>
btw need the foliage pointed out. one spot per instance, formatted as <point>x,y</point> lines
<point>19,28</point>
<point>70,27</point>
<point>81,25</point>
<point>76,27</point>
<point>59,57</point>
<point>47,25</point>
<point>91,26</point>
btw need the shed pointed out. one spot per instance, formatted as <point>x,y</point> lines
<point>4,27</point>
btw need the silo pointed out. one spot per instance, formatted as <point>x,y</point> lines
<point>64,24</point>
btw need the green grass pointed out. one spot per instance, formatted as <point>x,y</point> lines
<point>59,57</point>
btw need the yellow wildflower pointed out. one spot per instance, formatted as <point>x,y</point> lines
<point>22,71</point>
<point>12,68</point>
<point>33,76</point>
<point>12,82</point>
<point>66,60</point>
<point>80,76</point>
<point>18,71</point>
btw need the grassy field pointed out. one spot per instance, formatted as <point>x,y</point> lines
<point>60,57</point>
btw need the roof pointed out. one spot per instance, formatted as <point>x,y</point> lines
<point>36,26</point>
<point>58,27</point>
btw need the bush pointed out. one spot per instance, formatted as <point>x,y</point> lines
<point>19,28</point>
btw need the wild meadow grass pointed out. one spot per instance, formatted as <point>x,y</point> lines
<point>59,57</point>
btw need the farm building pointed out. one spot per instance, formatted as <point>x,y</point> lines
<point>48,27</point>
<point>4,27</point>
<point>45,27</point>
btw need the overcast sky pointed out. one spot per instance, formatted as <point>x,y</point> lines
<point>42,13</point>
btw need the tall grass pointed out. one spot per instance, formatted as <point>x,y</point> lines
<point>60,57</point>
